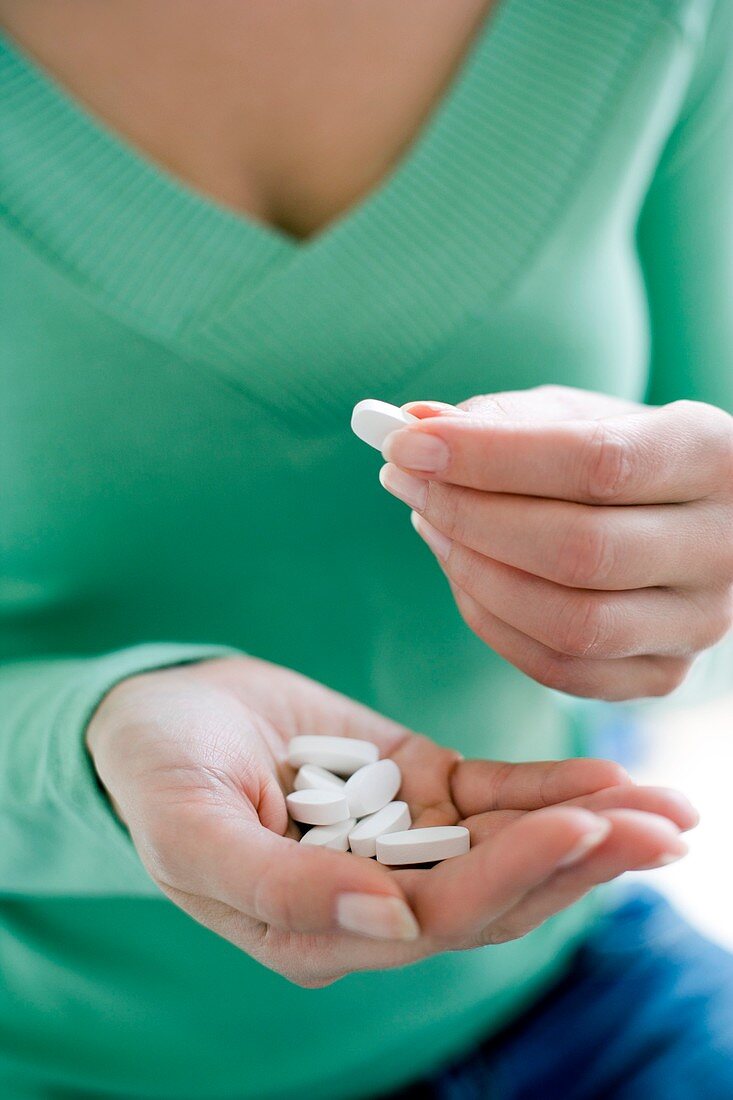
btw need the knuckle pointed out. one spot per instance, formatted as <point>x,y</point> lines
<point>587,554</point>
<point>715,426</point>
<point>583,628</point>
<point>724,452</point>
<point>712,418</point>
<point>608,463</point>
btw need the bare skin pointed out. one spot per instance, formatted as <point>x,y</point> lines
<point>588,540</point>
<point>289,112</point>
<point>193,759</point>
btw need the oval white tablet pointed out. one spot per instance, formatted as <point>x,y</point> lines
<point>311,777</point>
<point>390,819</point>
<point>423,845</point>
<point>330,836</point>
<point>372,787</point>
<point>343,755</point>
<point>373,421</point>
<point>318,807</point>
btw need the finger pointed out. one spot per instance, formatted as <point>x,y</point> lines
<point>458,897</point>
<point>670,455</point>
<point>308,960</point>
<point>482,786</point>
<point>662,802</point>
<point>538,403</point>
<point>612,680</point>
<point>578,545</point>
<point>426,770</point>
<point>284,884</point>
<point>636,841</point>
<point>424,409</point>
<point>587,623</point>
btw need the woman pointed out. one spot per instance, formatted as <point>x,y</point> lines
<point>223,225</point>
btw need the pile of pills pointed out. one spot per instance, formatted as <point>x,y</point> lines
<point>347,795</point>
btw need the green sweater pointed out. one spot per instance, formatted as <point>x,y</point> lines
<point>177,473</point>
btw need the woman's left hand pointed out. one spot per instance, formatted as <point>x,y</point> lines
<point>587,540</point>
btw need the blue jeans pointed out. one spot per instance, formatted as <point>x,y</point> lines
<point>644,1013</point>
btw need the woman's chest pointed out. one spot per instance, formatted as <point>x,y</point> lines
<point>289,113</point>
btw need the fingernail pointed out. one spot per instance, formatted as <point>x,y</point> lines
<point>670,856</point>
<point>586,844</point>
<point>377,916</point>
<point>411,489</point>
<point>416,450</point>
<point>439,543</point>
<point>434,406</point>
<point>689,812</point>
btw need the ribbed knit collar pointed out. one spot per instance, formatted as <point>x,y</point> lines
<point>439,240</point>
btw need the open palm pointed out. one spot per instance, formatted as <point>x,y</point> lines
<point>194,760</point>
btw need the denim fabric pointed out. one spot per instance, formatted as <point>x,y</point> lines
<point>644,1013</point>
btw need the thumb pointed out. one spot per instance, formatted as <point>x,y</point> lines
<point>295,887</point>
<point>544,403</point>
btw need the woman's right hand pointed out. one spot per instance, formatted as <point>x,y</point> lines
<point>193,759</point>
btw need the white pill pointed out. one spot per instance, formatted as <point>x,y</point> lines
<point>423,845</point>
<point>373,421</point>
<point>312,778</point>
<point>330,836</point>
<point>343,755</point>
<point>318,807</point>
<point>372,787</point>
<point>390,819</point>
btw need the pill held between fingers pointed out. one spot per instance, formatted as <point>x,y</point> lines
<point>392,818</point>
<point>330,836</point>
<point>311,777</point>
<point>374,420</point>
<point>318,807</point>
<point>423,845</point>
<point>342,755</point>
<point>372,787</point>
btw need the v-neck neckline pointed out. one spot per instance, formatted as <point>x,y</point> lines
<point>138,207</point>
<point>308,327</point>
<point>447,234</point>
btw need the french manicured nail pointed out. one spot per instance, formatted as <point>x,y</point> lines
<point>689,813</point>
<point>411,489</point>
<point>417,451</point>
<point>436,406</point>
<point>439,543</point>
<point>585,845</point>
<point>670,856</point>
<point>379,917</point>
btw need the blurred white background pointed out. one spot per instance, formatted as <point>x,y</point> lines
<point>692,749</point>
